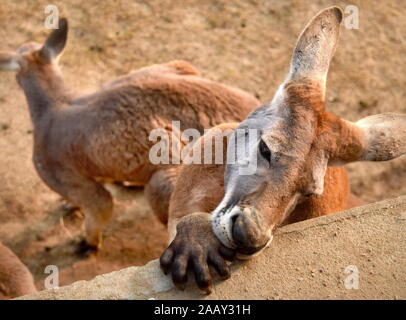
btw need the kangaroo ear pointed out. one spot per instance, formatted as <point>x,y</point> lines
<point>55,42</point>
<point>9,61</point>
<point>316,45</point>
<point>380,137</point>
<point>385,136</point>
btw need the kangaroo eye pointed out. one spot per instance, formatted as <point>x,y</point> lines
<point>264,151</point>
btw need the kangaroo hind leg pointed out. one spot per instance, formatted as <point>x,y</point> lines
<point>91,197</point>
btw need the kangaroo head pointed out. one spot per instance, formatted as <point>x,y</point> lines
<point>296,141</point>
<point>34,58</point>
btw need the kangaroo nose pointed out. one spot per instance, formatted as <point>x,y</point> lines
<point>248,235</point>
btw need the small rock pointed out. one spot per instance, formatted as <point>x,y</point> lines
<point>96,48</point>
<point>363,104</point>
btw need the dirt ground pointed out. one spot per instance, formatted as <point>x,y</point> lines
<point>244,43</point>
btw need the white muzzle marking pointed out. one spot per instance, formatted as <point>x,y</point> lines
<point>223,227</point>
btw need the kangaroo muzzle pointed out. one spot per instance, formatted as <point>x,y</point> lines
<point>250,234</point>
<point>243,229</point>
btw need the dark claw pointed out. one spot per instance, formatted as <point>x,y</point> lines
<point>204,285</point>
<point>220,265</point>
<point>202,272</point>
<point>203,280</point>
<point>166,260</point>
<point>179,272</point>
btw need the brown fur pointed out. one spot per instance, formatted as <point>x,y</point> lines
<point>294,178</point>
<point>82,141</point>
<point>200,188</point>
<point>15,279</point>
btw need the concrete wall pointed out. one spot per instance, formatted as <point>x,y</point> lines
<point>306,260</point>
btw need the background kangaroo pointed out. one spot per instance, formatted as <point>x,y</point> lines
<point>297,154</point>
<point>82,141</point>
<point>15,279</point>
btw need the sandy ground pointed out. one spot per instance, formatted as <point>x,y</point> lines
<point>351,255</point>
<point>245,43</point>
